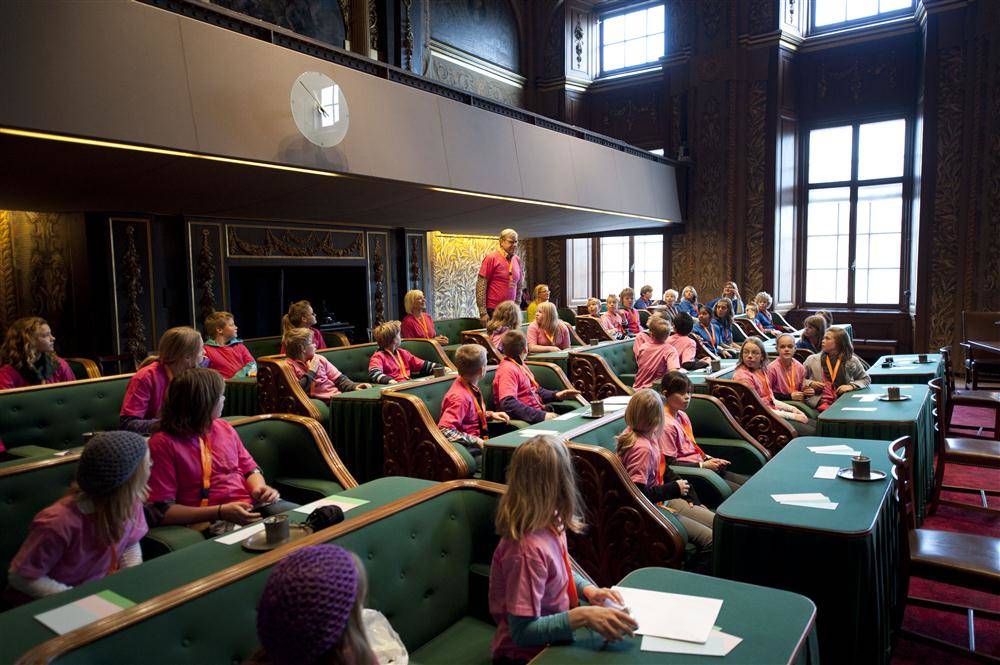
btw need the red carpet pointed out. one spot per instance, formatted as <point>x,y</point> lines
<point>944,625</point>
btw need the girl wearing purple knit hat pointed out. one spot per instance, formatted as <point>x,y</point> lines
<point>311,609</point>
<point>92,531</point>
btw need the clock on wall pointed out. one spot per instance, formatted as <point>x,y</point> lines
<point>319,109</point>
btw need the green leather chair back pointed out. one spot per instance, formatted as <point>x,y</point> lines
<point>618,355</point>
<point>423,349</point>
<point>452,328</point>
<point>56,415</point>
<point>263,346</point>
<point>603,436</point>
<point>568,315</point>
<point>424,568</point>
<point>432,393</point>
<point>353,360</point>
<point>23,495</point>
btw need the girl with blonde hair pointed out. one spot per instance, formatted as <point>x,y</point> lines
<point>541,503</point>
<point>417,323</point>
<point>647,466</point>
<point>507,316</point>
<point>180,349</point>
<point>94,530</point>
<point>391,363</point>
<point>28,358</point>
<point>547,333</point>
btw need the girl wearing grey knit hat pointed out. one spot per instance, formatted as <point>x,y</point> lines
<point>95,529</point>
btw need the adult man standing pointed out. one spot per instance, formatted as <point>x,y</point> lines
<point>500,276</point>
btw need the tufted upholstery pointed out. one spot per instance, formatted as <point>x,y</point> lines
<point>427,567</point>
<point>604,370</point>
<point>452,328</point>
<point>57,414</point>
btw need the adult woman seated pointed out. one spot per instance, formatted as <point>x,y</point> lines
<point>539,295</point>
<point>547,333</point>
<point>417,322</point>
<point>28,357</point>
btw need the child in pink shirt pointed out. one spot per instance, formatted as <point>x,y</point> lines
<point>751,371</point>
<point>301,315</point>
<point>629,314</point>
<point>787,377</point>
<point>464,419</point>
<point>392,364</point>
<point>417,323</point>
<point>515,390</point>
<point>681,340</point>
<point>201,470</point>
<point>655,358</point>
<point>226,353</point>
<point>180,349</point>
<point>95,529</point>
<point>506,316</point>
<point>317,375</point>
<point>612,321</point>
<point>534,594</point>
<point>547,333</point>
<point>28,357</point>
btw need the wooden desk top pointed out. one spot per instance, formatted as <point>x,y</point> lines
<point>988,345</point>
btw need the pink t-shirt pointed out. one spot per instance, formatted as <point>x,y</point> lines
<point>229,359</point>
<point>758,382</point>
<point>631,317</point>
<point>686,347</point>
<point>324,382</point>
<point>778,377</point>
<point>654,360</point>
<point>410,326</point>
<point>11,378</point>
<point>528,578</point>
<point>496,338</point>
<point>640,341</point>
<point>145,392</point>
<point>62,544</point>
<point>642,460</point>
<point>501,283</point>
<point>675,442</point>
<point>177,475</point>
<point>386,362</point>
<point>612,323</point>
<point>317,340</point>
<point>511,380</point>
<point>459,412</point>
<point>538,336</point>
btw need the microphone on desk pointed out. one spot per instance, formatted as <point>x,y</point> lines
<point>324,517</point>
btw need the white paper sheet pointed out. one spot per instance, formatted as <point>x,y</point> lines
<point>826,472</point>
<point>860,408</point>
<point>84,611</point>
<point>718,644</point>
<point>829,449</point>
<point>529,432</point>
<point>811,504</point>
<point>617,400</point>
<point>240,534</point>
<point>345,503</point>
<point>671,615</point>
<point>867,398</point>
<point>807,496</point>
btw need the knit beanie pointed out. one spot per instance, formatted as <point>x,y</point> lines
<point>306,604</point>
<point>108,460</point>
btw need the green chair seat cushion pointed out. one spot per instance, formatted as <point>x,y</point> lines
<point>465,641</point>
<point>305,490</point>
<point>743,456</point>
<point>166,539</point>
<point>324,411</point>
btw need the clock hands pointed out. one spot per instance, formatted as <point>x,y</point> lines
<point>318,105</point>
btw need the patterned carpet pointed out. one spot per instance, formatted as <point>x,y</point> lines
<point>943,625</point>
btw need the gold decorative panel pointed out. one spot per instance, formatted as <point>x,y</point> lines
<point>455,261</point>
<point>256,242</point>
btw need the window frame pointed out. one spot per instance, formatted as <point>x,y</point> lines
<point>621,11</point>
<point>857,22</point>
<point>595,260</point>
<point>853,184</point>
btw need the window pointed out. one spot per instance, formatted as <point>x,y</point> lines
<point>621,261</point>
<point>631,38</point>
<point>835,14</point>
<point>854,214</point>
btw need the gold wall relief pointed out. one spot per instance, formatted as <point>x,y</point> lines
<point>8,289</point>
<point>455,262</point>
<point>254,242</point>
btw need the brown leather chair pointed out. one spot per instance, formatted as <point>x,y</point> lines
<point>980,325</point>
<point>960,559</point>
<point>769,430</point>
<point>589,327</point>
<point>701,351</point>
<point>981,453</point>
<point>802,354</point>
<point>984,399</point>
<point>750,329</point>
<point>481,338</point>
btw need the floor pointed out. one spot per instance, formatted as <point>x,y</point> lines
<point>948,626</point>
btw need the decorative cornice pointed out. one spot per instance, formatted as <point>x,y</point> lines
<point>478,65</point>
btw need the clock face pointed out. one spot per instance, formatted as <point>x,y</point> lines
<point>319,109</point>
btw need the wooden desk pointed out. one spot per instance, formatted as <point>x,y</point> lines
<point>989,346</point>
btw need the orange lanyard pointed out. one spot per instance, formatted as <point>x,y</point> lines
<point>762,378</point>
<point>689,433</point>
<point>711,333</point>
<point>790,381</point>
<point>206,468</point>
<point>423,324</point>
<point>510,268</point>
<point>113,567</point>
<point>550,338</point>
<point>524,372</point>
<point>477,399</point>
<point>574,599</point>
<point>833,370</point>
<point>404,371</point>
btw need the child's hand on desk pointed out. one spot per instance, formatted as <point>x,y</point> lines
<point>498,415</point>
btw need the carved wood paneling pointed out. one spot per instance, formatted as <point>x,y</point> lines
<point>407,37</point>
<point>990,258</point>
<point>553,249</point>
<point>753,245</point>
<point>8,291</point>
<point>944,269</point>
<point>131,247</point>
<point>255,242</point>
<point>207,277</point>
<point>378,247</point>
<point>415,261</point>
<point>761,16</point>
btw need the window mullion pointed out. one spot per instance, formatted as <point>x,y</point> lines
<point>852,245</point>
